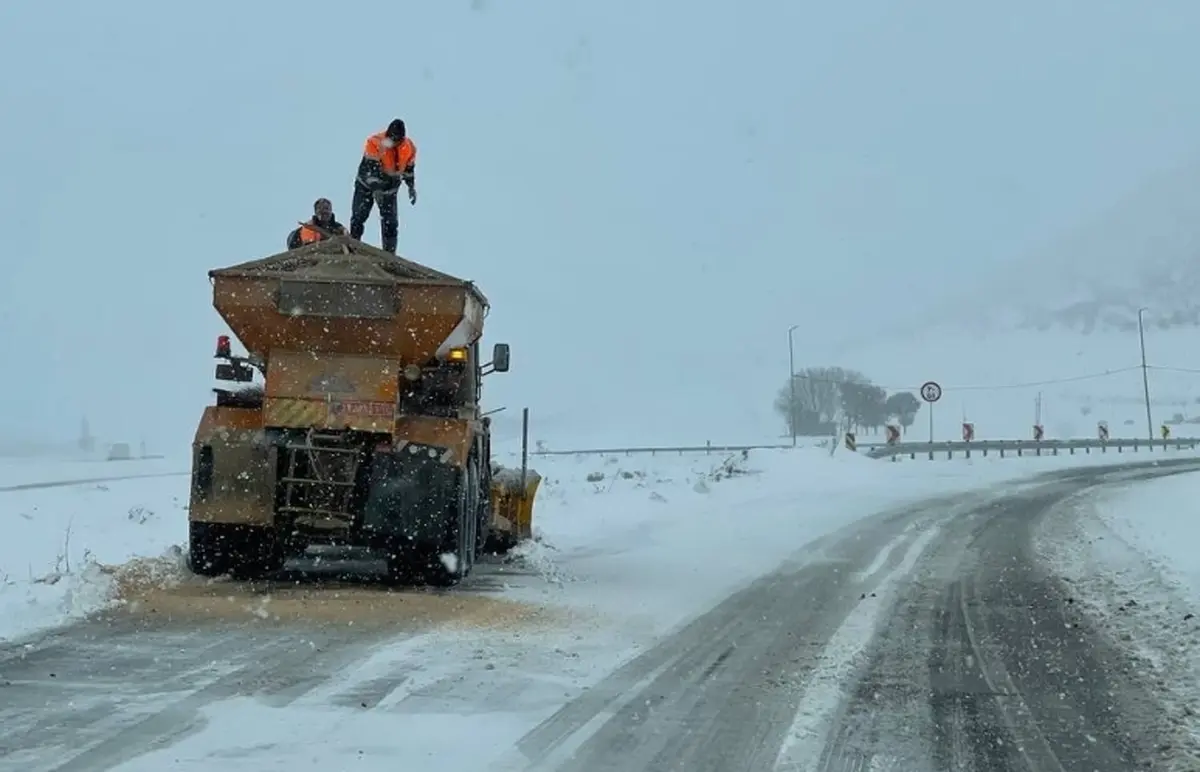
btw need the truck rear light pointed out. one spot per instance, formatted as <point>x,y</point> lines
<point>223,346</point>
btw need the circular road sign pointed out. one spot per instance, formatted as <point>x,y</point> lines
<point>930,391</point>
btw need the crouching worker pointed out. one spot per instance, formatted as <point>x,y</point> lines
<point>323,219</point>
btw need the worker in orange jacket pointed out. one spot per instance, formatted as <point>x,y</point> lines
<point>322,218</point>
<point>388,160</point>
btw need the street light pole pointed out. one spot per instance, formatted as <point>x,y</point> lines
<point>792,383</point>
<point>1145,379</point>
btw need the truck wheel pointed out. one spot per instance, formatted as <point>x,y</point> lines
<point>483,508</point>
<point>207,555</point>
<point>459,542</point>
<point>402,564</point>
<point>469,505</point>
<point>245,552</point>
<point>261,553</point>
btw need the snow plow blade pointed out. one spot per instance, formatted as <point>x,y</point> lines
<point>512,507</point>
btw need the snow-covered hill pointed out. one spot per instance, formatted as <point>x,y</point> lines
<point>1142,252</point>
<point>1062,322</point>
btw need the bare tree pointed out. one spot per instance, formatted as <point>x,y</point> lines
<point>818,405</point>
<point>904,406</point>
<point>864,405</point>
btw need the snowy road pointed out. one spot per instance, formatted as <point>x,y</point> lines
<point>71,693</point>
<point>924,639</point>
<point>107,691</point>
<point>928,640</point>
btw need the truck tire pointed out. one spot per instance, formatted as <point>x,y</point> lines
<point>242,551</point>
<point>207,555</point>
<point>460,538</point>
<point>423,563</point>
<point>484,509</point>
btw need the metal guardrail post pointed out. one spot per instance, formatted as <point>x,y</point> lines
<point>524,446</point>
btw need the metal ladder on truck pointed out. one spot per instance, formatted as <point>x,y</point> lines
<point>319,486</point>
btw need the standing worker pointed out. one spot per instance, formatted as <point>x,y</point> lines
<point>389,158</point>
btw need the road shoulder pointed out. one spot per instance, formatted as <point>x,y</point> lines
<point>1126,598</point>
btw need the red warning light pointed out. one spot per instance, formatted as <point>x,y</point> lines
<point>223,346</point>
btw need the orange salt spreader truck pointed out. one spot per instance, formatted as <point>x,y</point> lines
<point>366,430</point>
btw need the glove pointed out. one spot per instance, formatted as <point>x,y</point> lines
<point>412,195</point>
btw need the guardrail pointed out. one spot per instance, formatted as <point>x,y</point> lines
<point>659,450</point>
<point>949,450</point>
<point>1005,448</point>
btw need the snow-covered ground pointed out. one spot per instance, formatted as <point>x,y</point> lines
<point>1132,555</point>
<point>1161,520</point>
<point>629,547</point>
<point>58,541</point>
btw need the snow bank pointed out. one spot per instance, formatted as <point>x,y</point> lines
<point>1161,520</point>
<point>1130,552</point>
<point>60,544</point>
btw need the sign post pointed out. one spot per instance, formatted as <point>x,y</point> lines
<point>931,392</point>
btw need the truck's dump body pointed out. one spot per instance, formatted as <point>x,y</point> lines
<point>341,296</point>
<point>337,322</point>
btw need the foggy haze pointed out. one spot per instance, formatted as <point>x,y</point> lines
<point>650,194</point>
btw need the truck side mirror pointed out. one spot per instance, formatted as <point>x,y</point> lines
<point>500,355</point>
<point>234,371</point>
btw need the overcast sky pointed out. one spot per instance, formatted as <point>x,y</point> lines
<point>650,193</point>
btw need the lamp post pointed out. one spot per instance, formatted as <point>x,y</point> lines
<point>1145,379</point>
<point>792,383</point>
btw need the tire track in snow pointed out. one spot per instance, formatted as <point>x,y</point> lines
<point>719,694</point>
<point>154,682</point>
<point>1017,679</point>
<point>828,681</point>
<point>820,560</point>
<point>756,685</point>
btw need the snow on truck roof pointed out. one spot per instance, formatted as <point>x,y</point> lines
<point>342,258</point>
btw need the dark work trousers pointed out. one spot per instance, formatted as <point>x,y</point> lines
<point>389,216</point>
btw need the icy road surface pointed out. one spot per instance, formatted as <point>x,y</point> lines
<point>178,658</point>
<point>928,640</point>
<point>930,637</point>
